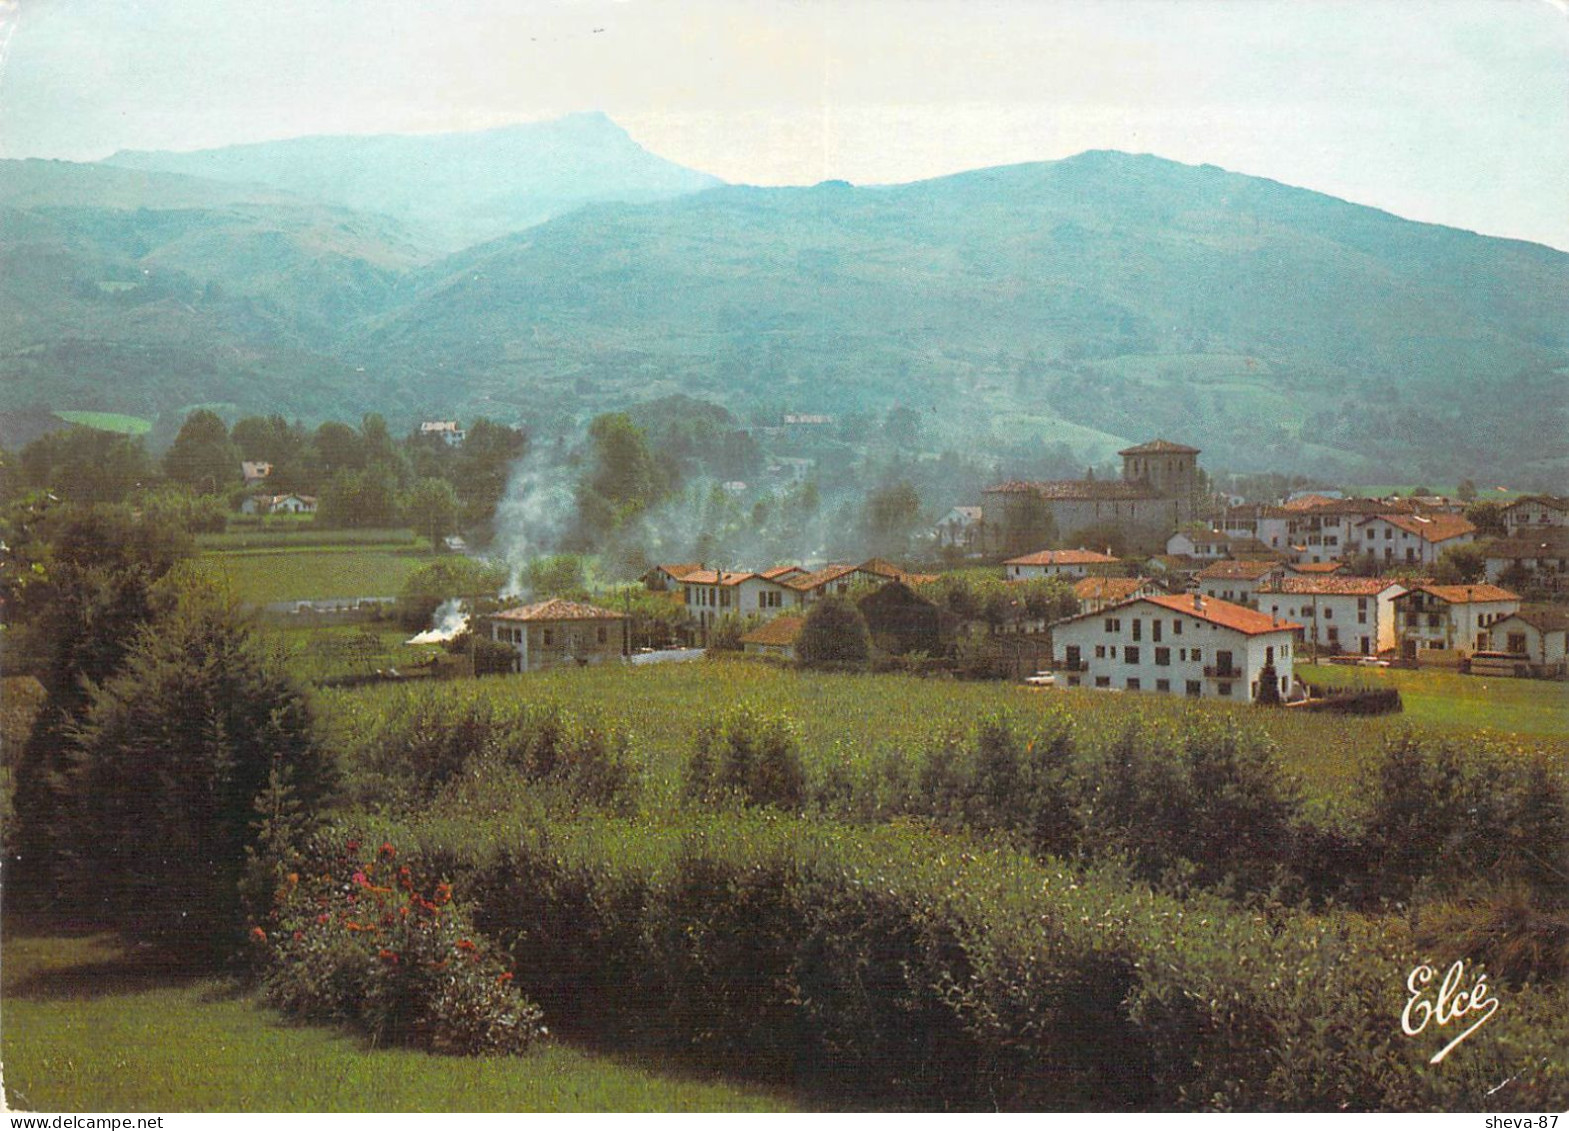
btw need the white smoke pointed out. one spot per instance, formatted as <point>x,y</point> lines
<point>536,512</point>
<point>448,621</point>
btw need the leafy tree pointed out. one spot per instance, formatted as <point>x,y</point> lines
<point>834,637</point>
<point>1460,565</point>
<point>366,498</point>
<point>481,467</point>
<point>164,776</point>
<point>1488,518</point>
<point>86,465</point>
<point>442,580</point>
<point>338,448</point>
<point>202,455</point>
<point>431,508</point>
<point>1466,492</point>
<point>625,478</point>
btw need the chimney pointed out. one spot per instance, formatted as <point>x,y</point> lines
<point>1198,601</point>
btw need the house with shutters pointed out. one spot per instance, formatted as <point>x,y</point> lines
<point>559,633</point>
<point>1177,644</point>
<point>1094,593</point>
<point>711,595</point>
<point>1338,614</point>
<point>1534,557</point>
<point>1443,624</point>
<point>1238,581</point>
<point>1070,564</point>
<point>1534,512</point>
<point>1537,632</point>
<point>1412,539</point>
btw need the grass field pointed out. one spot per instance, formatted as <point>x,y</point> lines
<point>109,422</point>
<point>853,720</point>
<point>1448,700</point>
<point>293,532</point>
<point>261,577</point>
<point>91,1027</point>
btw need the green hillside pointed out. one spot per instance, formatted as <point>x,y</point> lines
<point>1074,305</point>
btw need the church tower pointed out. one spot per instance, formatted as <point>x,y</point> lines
<point>1170,470</point>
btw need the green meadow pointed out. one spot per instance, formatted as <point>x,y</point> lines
<point>261,577</point>
<point>109,422</point>
<point>93,1026</point>
<point>1448,700</point>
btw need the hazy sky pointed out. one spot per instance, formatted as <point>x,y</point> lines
<point>1452,111</point>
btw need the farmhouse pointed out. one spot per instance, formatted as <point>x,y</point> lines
<point>711,595</point>
<point>959,529</point>
<point>445,430</point>
<point>663,578</point>
<point>1180,644</point>
<point>1342,614</point>
<point>1238,581</point>
<point>1537,632</point>
<point>1412,539</point>
<point>1533,512</point>
<point>557,632</point>
<point>1538,557</point>
<point>1443,624</point>
<point>279,504</point>
<point>1060,563</point>
<point>1095,593</point>
<point>776,638</point>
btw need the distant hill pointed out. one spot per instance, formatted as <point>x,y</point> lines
<point>457,188</point>
<point>1066,307</point>
<point>143,292</point>
<point>1106,295</point>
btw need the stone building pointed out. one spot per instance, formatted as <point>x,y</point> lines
<point>554,633</point>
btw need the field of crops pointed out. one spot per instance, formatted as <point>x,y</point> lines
<point>855,720</point>
<point>261,577</point>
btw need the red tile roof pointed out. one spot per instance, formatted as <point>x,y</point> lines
<point>716,577</point>
<point>1109,588</point>
<point>1429,527</point>
<point>1317,567</point>
<point>781,632</point>
<point>1105,489</point>
<point>1463,594</point>
<point>1238,618</point>
<point>1331,586</point>
<point>557,609</point>
<point>1543,618</point>
<point>1063,557</point>
<point>681,570</point>
<point>1237,571</point>
<point>778,572</point>
<point>1159,448</point>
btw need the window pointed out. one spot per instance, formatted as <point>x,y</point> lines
<point>1329,613</point>
<point>1155,630</point>
<point>1163,685</point>
<point>1130,654</point>
<point>1176,628</point>
<point>1334,635</point>
<point>1194,689</point>
<point>549,637</point>
<point>1225,689</point>
<point>1103,681</point>
<point>1100,651</point>
<point>688,594</point>
<point>1113,624</point>
<point>1196,654</point>
<point>1517,642</point>
<point>1223,662</point>
<point>1133,684</point>
<point>1163,657</point>
<point>1138,629</point>
<point>724,597</point>
<point>1073,681</point>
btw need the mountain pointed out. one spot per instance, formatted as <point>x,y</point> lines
<point>455,189</point>
<point>1060,309</point>
<point>1096,300</point>
<point>145,292</point>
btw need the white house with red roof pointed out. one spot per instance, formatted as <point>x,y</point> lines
<point>1180,644</point>
<point>1060,563</point>
<point>1238,581</point>
<point>1533,512</point>
<point>1412,539</point>
<point>1340,614</point>
<point>1442,624</point>
<point>559,633</point>
<point>713,594</point>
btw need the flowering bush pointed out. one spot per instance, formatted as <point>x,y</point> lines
<point>356,938</point>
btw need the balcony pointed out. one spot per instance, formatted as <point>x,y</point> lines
<point>1065,666</point>
<point>1211,672</point>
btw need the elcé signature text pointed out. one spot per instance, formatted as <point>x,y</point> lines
<point>1451,1004</point>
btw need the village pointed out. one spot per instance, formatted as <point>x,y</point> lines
<point>1210,599</point>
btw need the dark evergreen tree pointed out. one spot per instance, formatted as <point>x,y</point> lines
<point>834,637</point>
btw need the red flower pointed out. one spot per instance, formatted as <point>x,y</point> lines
<point>258,934</point>
<point>389,957</point>
<point>352,846</point>
<point>323,917</point>
<point>443,893</point>
<point>504,978</point>
<point>298,935</point>
<point>463,944</point>
<point>387,850</point>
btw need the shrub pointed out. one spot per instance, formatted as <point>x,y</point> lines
<point>749,755</point>
<point>834,637</point>
<point>357,939</point>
